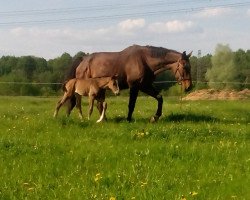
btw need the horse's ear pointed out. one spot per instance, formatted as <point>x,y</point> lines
<point>189,55</point>
<point>184,55</point>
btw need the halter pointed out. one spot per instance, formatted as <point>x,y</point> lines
<point>181,75</point>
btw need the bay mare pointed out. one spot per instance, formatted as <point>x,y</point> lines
<point>88,87</point>
<point>136,67</point>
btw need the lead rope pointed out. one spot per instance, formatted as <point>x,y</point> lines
<point>181,97</point>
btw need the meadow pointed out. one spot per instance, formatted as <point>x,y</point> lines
<point>197,150</point>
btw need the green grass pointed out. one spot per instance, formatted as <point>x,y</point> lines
<point>201,147</point>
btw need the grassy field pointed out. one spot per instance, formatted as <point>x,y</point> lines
<point>198,150</point>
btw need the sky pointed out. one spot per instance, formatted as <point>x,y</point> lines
<point>50,28</point>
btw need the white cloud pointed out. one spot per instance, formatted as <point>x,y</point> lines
<point>248,12</point>
<point>171,26</point>
<point>131,24</point>
<point>19,31</point>
<point>213,12</point>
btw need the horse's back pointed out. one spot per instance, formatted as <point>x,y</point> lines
<point>127,64</point>
<point>103,64</point>
<point>82,86</point>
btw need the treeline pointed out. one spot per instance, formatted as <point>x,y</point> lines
<point>29,75</point>
<point>224,70</point>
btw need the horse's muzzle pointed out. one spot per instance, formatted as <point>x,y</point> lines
<point>189,88</point>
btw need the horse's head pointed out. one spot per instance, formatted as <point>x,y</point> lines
<point>183,72</point>
<point>113,85</point>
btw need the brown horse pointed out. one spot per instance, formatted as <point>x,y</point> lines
<point>88,87</point>
<point>136,67</point>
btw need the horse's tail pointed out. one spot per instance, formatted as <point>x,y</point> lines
<point>64,86</point>
<point>69,85</point>
<point>72,70</point>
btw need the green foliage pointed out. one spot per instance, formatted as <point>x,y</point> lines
<point>228,66</point>
<point>223,73</point>
<point>164,80</point>
<point>29,69</point>
<point>175,90</point>
<point>197,149</point>
<point>7,63</point>
<point>242,62</point>
<point>200,67</point>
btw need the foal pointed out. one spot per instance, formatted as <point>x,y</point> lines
<point>92,87</point>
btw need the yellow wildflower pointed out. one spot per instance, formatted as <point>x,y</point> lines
<point>183,197</point>
<point>143,184</point>
<point>193,193</point>
<point>97,177</point>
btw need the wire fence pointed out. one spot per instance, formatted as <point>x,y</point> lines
<point>155,82</point>
<point>52,89</point>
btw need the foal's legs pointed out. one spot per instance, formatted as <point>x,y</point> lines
<point>132,100</point>
<point>103,117</point>
<point>91,104</point>
<point>79,104</point>
<point>100,102</point>
<point>60,103</point>
<point>150,90</point>
<point>71,104</point>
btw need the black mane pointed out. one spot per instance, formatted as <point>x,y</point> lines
<point>72,70</point>
<point>157,52</point>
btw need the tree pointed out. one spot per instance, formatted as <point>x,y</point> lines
<point>7,63</point>
<point>242,62</point>
<point>199,69</point>
<point>60,65</point>
<point>223,72</point>
<point>79,54</point>
<point>26,65</point>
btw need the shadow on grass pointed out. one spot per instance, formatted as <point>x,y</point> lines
<point>170,118</point>
<point>189,117</point>
<point>177,117</point>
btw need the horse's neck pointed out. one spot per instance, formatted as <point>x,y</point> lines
<point>172,57</point>
<point>168,63</point>
<point>157,61</point>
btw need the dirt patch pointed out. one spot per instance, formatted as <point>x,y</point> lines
<point>211,94</point>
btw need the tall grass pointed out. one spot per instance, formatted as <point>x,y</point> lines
<point>197,150</point>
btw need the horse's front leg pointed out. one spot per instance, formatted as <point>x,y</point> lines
<point>91,104</point>
<point>104,108</point>
<point>133,93</point>
<point>150,90</point>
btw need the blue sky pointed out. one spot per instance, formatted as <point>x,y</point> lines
<point>49,28</point>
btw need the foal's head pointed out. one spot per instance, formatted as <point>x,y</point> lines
<point>113,85</point>
<point>183,72</point>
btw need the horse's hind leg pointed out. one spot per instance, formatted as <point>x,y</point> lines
<point>132,100</point>
<point>91,104</point>
<point>100,109</point>
<point>71,104</point>
<point>104,108</point>
<point>100,99</point>
<point>59,104</point>
<point>79,104</point>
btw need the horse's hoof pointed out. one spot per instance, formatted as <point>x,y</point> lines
<point>154,119</point>
<point>129,119</point>
<point>55,115</point>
